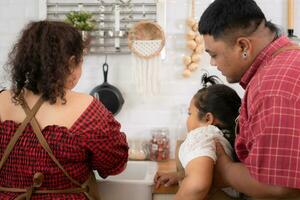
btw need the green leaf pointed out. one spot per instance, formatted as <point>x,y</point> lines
<point>81,19</point>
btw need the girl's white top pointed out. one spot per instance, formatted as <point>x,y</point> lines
<point>200,142</point>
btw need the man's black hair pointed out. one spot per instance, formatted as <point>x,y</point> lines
<point>223,16</point>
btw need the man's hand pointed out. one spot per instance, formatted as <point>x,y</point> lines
<point>227,171</point>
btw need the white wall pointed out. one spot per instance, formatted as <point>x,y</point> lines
<point>139,114</point>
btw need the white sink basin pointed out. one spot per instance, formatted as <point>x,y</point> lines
<point>134,183</point>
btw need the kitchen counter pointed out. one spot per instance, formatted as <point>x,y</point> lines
<point>166,167</point>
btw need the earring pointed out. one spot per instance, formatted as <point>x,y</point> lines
<point>244,54</point>
<point>26,78</point>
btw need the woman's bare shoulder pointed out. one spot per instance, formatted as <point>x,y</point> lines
<point>81,98</point>
<point>5,101</point>
<point>5,97</point>
<point>4,93</point>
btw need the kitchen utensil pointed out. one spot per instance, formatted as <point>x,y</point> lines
<point>125,2</point>
<point>108,94</point>
<point>56,10</point>
<point>110,33</point>
<point>144,12</point>
<point>291,10</point>
<point>101,24</point>
<point>127,18</point>
<point>117,26</point>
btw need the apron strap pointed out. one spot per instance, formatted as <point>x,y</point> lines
<point>38,176</point>
<point>19,131</point>
<point>20,190</point>
<point>43,142</point>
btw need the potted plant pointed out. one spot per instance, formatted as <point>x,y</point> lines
<point>83,21</point>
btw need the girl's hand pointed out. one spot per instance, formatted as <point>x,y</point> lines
<point>166,179</point>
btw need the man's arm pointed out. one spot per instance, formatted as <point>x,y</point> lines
<point>237,176</point>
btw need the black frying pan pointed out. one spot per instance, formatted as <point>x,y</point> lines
<point>108,94</point>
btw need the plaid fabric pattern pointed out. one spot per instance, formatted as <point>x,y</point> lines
<point>93,142</point>
<point>268,142</point>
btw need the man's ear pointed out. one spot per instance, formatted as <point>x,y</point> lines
<point>245,44</point>
<point>209,118</point>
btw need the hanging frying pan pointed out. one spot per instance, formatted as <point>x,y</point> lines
<point>108,94</point>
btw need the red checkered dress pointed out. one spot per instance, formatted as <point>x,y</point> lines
<point>269,139</point>
<point>93,142</point>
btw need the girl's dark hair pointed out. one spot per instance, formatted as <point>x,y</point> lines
<point>39,61</point>
<point>220,100</point>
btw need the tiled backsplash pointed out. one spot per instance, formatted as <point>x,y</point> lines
<point>139,114</point>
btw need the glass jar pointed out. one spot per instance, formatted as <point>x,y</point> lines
<point>159,144</point>
<point>137,150</point>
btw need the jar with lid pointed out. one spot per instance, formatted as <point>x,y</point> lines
<point>159,144</point>
<point>137,150</point>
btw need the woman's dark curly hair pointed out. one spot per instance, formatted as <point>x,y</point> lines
<point>220,100</point>
<point>39,61</point>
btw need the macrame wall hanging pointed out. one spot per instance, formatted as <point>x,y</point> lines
<point>194,44</point>
<point>146,40</point>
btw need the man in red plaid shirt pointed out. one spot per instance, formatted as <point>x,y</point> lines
<point>247,49</point>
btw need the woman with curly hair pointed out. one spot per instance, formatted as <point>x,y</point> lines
<point>51,138</point>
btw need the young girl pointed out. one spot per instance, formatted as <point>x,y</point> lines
<point>212,114</point>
